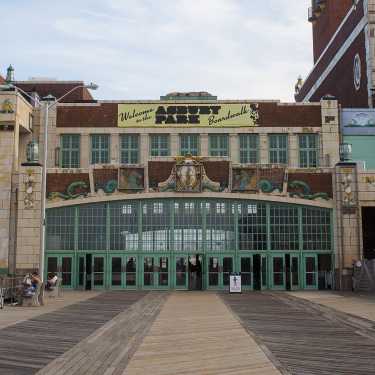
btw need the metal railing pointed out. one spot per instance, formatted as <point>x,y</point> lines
<point>9,289</point>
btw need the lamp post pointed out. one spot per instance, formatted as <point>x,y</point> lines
<point>47,107</point>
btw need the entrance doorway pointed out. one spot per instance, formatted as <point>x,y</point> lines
<point>195,272</point>
<point>368,230</point>
<point>257,272</point>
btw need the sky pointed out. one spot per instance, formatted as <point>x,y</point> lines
<point>142,49</point>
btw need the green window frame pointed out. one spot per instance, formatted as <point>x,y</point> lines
<point>70,150</point>
<point>249,148</point>
<point>219,144</point>
<point>159,145</point>
<point>189,144</point>
<point>278,148</point>
<point>129,146</point>
<point>308,150</point>
<point>100,148</point>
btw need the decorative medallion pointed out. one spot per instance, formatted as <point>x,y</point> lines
<point>188,176</point>
<point>7,106</point>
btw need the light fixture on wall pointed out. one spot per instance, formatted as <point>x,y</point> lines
<point>345,152</point>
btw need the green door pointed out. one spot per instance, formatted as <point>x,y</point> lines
<point>294,272</point>
<point>123,271</point>
<point>62,266</point>
<point>278,271</point>
<point>219,269</point>
<point>264,272</point>
<point>81,272</point>
<point>181,271</point>
<point>311,271</point>
<point>156,271</point>
<point>98,272</point>
<point>246,272</point>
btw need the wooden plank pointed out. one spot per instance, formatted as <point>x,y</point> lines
<point>302,339</point>
<point>30,345</point>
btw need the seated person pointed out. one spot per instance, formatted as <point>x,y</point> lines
<point>28,287</point>
<point>51,281</point>
<point>35,279</point>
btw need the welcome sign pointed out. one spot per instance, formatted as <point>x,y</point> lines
<point>182,115</point>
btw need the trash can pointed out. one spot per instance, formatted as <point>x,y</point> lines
<point>235,285</point>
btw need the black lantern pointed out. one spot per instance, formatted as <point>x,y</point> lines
<point>32,154</point>
<point>345,152</point>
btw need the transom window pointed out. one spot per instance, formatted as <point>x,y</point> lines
<point>278,148</point>
<point>129,148</point>
<point>219,145</point>
<point>189,144</point>
<point>70,150</point>
<point>159,145</point>
<point>100,148</point>
<point>308,150</point>
<point>249,148</point>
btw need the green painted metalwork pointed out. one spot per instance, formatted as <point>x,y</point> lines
<point>179,228</point>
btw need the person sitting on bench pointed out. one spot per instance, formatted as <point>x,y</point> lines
<point>52,281</point>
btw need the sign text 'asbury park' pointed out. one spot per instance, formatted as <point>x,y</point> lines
<point>200,114</point>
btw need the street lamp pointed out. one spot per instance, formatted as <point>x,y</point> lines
<point>49,102</point>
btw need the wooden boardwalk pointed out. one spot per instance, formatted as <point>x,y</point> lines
<point>28,346</point>
<point>303,339</point>
<point>195,333</point>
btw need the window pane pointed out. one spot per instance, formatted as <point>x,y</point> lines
<point>70,150</point>
<point>248,148</point>
<point>100,148</point>
<point>278,148</point>
<point>189,144</point>
<point>159,145</point>
<point>219,145</point>
<point>129,148</point>
<point>308,150</point>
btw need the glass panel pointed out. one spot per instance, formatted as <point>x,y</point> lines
<point>52,265</point>
<point>252,226</point>
<point>219,144</point>
<point>295,276</point>
<point>181,271</point>
<point>220,226</point>
<point>116,271</point>
<point>129,148</point>
<point>278,148</point>
<point>308,150</point>
<point>316,229</point>
<point>310,264</point>
<point>213,271</point>
<point>98,271</point>
<point>246,271</point>
<point>92,227</point>
<point>131,271</point>
<point>60,229</point>
<point>189,144</point>
<point>148,271</point>
<point>66,271</point>
<point>124,226</point>
<point>81,271</point>
<point>227,269</point>
<point>100,148</point>
<point>249,148</point>
<point>159,145</point>
<point>278,271</point>
<point>70,150</point>
<point>284,228</point>
<point>163,271</point>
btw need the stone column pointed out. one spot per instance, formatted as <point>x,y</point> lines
<point>234,147</point>
<point>175,144</point>
<point>29,217</point>
<point>115,149</point>
<point>293,151</point>
<point>6,166</point>
<point>204,144</point>
<point>85,151</point>
<point>263,149</point>
<point>330,137</point>
<point>144,148</point>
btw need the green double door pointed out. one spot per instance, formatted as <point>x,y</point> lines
<point>123,271</point>
<point>219,268</point>
<point>155,270</point>
<point>91,271</point>
<point>62,266</point>
<point>253,268</point>
<point>294,271</point>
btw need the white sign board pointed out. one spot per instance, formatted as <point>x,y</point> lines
<point>235,284</point>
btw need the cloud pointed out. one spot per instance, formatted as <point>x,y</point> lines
<point>137,49</point>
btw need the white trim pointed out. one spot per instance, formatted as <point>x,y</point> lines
<point>368,66</point>
<point>358,29</point>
